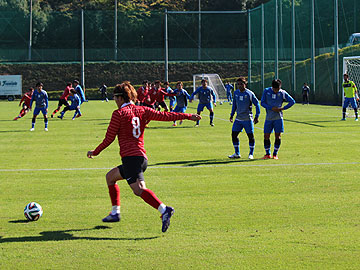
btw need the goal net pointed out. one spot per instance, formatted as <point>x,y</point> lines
<point>351,66</point>
<point>214,82</point>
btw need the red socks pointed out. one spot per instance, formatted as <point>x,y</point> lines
<point>149,197</point>
<point>22,113</point>
<point>114,192</point>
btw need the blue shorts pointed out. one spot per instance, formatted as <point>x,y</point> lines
<point>351,101</point>
<point>172,102</point>
<point>201,106</point>
<point>37,111</point>
<point>72,108</point>
<point>180,109</point>
<point>247,125</point>
<point>229,96</point>
<point>276,125</point>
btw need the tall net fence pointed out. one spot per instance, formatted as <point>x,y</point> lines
<point>207,37</point>
<point>262,38</point>
<point>263,45</point>
<point>57,37</point>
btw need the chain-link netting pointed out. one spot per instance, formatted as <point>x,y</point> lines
<point>263,26</point>
<point>56,37</point>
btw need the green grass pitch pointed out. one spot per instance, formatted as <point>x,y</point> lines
<point>298,212</point>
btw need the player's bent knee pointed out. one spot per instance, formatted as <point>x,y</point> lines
<point>137,192</point>
<point>251,137</point>
<point>234,136</point>
<point>137,189</point>
<point>112,176</point>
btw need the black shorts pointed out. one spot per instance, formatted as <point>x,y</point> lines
<point>133,168</point>
<point>63,102</point>
<point>163,104</point>
<point>148,105</point>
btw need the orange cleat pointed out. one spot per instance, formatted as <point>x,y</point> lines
<point>266,157</point>
<point>275,157</point>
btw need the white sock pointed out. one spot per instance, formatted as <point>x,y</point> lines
<point>162,208</point>
<point>115,209</point>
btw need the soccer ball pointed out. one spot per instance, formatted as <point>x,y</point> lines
<point>221,103</point>
<point>33,211</point>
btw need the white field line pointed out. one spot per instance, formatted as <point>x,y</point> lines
<point>191,167</point>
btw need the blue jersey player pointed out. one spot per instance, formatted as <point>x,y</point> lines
<point>181,99</point>
<point>272,100</point>
<point>205,93</point>
<point>41,105</point>
<point>228,88</point>
<point>79,91</point>
<point>172,99</point>
<point>242,105</point>
<point>75,105</point>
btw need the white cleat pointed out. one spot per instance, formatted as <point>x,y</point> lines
<point>32,129</point>
<point>234,156</point>
<point>46,129</point>
<point>251,157</point>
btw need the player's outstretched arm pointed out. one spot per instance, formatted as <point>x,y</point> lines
<point>110,135</point>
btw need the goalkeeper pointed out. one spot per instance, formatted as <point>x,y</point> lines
<point>350,91</point>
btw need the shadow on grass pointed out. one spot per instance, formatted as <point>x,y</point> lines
<point>12,131</point>
<point>194,163</point>
<point>168,127</point>
<point>313,123</point>
<point>19,221</point>
<point>66,235</point>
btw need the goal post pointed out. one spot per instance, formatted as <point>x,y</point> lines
<point>351,66</point>
<point>214,82</point>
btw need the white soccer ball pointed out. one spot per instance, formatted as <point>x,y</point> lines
<point>221,103</point>
<point>33,211</point>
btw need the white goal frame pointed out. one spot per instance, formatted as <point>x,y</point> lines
<point>214,82</point>
<point>352,75</point>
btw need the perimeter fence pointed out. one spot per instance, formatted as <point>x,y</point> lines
<point>295,40</point>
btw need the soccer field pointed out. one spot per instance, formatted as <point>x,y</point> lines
<point>298,212</point>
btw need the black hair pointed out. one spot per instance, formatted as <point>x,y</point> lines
<point>276,83</point>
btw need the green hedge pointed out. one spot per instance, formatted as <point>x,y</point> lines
<point>55,75</point>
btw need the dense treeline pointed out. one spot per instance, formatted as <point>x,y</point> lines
<point>132,5</point>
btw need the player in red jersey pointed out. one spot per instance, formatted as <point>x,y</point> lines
<point>128,124</point>
<point>63,98</point>
<point>142,93</point>
<point>160,94</point>
<point>26,105</point>
<point>150,98</point>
